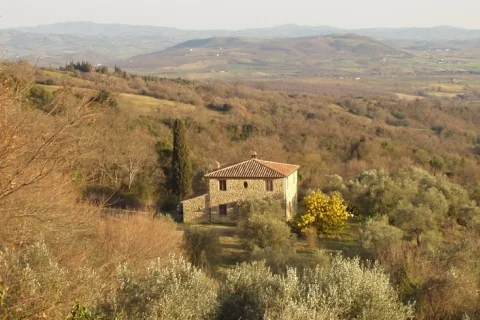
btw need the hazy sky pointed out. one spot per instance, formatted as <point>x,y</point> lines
<point>236,14</point>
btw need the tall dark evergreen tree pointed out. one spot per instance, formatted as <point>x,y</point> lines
<point>182,174</point>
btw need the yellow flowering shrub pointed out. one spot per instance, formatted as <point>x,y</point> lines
<point>327,214</point>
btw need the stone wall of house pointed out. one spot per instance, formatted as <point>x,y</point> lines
<point>239,190</point>
<point>291,197</point>
<point>194,210</point>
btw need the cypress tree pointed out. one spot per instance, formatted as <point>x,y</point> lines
<point>182,174</point>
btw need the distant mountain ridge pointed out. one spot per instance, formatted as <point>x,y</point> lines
<point>282,31</point>
<point>286,49</point>
<point>117,29</point>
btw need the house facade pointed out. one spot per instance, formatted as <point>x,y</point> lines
<point>229,186</point>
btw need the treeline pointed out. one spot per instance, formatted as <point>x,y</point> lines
<point>82,66</point>
<point>85,66</point>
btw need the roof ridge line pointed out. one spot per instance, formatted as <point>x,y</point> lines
<point>283,163</point>
<point>288,164</point>
<point>260,163</point>
<point>229,166</point>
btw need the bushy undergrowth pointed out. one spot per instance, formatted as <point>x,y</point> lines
<point>34,285</point>
<point>262,228</point>
<point>427,221</point>
<point>45,279</point>
<point>175,289</point>
<point>202,247</point>
<point>342,289</point>
<point>261,224</point>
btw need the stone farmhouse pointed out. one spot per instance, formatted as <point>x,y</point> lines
<point>230,185</point>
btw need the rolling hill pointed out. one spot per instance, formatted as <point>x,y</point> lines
<point>305,55</point>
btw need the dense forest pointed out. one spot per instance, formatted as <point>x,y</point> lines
<point>75,146</point>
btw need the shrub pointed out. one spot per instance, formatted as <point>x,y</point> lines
<point>407,192</point>
<point>347,290</point>
<point>397,115</point>
<point>249,290</point>
<point>343,289</point>
<point>104,97</point>
<point>47,82</point>
<point>35,285</point>
<point>41,97</point>
<point>428,221</point>
<point>220,107</point>
<point>176,291</point>
<point>327,214</point>
<point>277,258</point>
<point>202,247</point>
<point>82,313</point>
<point>102,69</point>
<point>397,123</point>
<point>262,224</point>
<point>377,236</point>
<point>169,203</point>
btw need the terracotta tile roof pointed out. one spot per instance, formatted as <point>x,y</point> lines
<point>255,168</point>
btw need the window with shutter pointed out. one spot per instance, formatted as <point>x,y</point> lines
<point>269,185</point>
<point>222,184</point>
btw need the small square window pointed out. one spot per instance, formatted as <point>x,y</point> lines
<point>269,185</point>
<point>222,184</point>
<point>222,209</point>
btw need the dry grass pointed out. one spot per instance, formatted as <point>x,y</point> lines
<point>137,240</point>
<point>148,105</point>
<point>408,97</point>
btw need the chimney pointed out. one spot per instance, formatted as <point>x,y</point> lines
<point>217,164</point>
<point>254,155</point>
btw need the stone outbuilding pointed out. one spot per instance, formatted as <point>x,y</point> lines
<point>231,185</point>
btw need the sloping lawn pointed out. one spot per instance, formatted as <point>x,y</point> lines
<point>233,251</point>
